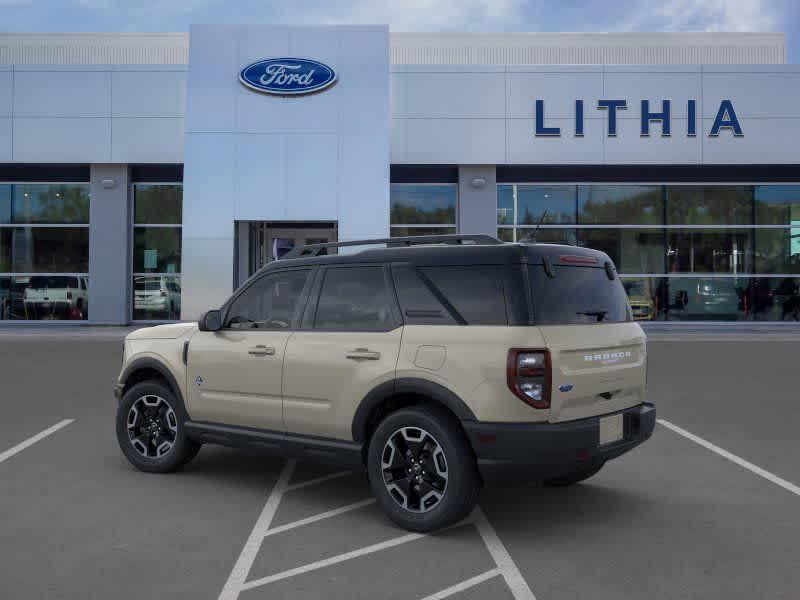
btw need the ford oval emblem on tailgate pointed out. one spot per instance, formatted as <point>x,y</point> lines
<point>287,76</point>
<point>567,387</point>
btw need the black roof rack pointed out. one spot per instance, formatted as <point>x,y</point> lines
<point>474,239</point>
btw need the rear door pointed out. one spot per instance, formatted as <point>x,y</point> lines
<point>235,374</point>
<point>597,351</point>
<point>350,346</point>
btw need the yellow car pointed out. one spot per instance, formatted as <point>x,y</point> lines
<point>640,296</point>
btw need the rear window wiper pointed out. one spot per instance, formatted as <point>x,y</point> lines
<point>600,314</point>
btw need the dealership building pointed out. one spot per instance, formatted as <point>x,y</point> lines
<point>143,177</point>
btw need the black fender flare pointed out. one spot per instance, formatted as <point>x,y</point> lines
<point>147,362</point>
<point>406,385</point>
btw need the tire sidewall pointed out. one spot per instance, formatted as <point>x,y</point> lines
<point>462,483</point>
<point>180,449</point>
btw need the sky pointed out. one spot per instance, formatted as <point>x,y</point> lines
<point>413,15</point>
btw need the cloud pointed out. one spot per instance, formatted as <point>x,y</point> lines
<point>704,15</point>
<point>415,15</point>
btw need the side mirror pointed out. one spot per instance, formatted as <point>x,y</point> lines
<point>211,321</point>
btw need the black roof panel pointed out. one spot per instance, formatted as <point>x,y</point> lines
<point>453,254</point>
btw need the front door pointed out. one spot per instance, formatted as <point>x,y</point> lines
<point>351,347</point>
<point>235,374</point>
<point>271,241</point>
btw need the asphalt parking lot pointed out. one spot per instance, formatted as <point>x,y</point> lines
<point>708,508</point>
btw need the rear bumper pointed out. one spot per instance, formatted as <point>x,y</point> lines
<point>536,451</point>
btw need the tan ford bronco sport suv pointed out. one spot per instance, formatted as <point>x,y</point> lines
<point>436,363</point>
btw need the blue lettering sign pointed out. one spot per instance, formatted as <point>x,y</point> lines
<point>691,118</point>
<point>612,106</point>
<point>663,116</point>
<point>541,130</point>
<point>726,119</point>
<point>578,118</point>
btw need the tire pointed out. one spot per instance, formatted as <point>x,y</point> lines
<point>440,453</point>
<point>150,428</point>
<point>574,477</point>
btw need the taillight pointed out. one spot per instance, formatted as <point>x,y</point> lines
<point>529,376</point>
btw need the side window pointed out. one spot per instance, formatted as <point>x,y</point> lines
<point>418,304</point>
<point>272,302</point>
<point>354,298</point>
<point>475,292</point>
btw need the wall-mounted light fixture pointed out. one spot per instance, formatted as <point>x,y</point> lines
<point>478,182</point>
<point>109,183</point>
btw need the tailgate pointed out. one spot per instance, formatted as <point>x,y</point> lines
<point>596,368</point>
<point>46,295</point>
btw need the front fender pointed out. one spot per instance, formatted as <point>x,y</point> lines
<point>155,363</point>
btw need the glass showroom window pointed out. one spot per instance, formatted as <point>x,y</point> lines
<point>157,215</point>
<point>685,252</point>
<point>44,251</point>
<point>423,208</point>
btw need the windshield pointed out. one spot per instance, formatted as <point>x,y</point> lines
<point>577,295</point>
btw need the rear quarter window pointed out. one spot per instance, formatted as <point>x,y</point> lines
<point>475,292</point>
<point>418,303</point>
<point>577,295</point>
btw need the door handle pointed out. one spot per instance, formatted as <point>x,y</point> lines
<point>363,354</point>
<point>261,350</point>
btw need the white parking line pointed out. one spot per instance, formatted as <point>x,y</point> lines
<point>464,585</point>
<point>788,486</point>
<point>505,564</point>
<point>241,569</point>
<point>33,439</point>
<point>310,482</point>
<point>320,517</point>
<point>237,580</point>
<point>326,562</point>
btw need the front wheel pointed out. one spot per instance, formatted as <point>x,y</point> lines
<point>422,469</point>
<point>150,429</point>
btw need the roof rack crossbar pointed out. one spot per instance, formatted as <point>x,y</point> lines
<point>311,250</point>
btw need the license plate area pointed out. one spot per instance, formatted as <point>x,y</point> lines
<point>612,429</point>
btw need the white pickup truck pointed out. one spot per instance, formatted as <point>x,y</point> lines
<point>56,296</point>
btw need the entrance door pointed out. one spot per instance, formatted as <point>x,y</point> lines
<point>271,241</point>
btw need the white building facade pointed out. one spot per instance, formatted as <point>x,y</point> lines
<point>143,177</point>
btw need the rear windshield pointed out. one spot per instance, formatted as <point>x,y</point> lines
<point>56,281</point>
<point>577,295</point>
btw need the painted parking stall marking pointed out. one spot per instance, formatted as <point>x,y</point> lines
<point>325,515</point>
<point>779,481</point>
<point>33,439</point>
<point>237,580</point>
<point>233,587</point>
<point>464,585</point>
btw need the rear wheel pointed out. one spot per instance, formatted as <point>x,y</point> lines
<point>575,476</point>
<point>150,429</point>
<point>422,469</point>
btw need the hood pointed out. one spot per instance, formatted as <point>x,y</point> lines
<point>170,331</point>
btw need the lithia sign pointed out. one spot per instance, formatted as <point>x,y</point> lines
<point>726,119</point>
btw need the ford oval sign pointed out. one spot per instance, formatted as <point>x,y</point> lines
<point>287,76</point>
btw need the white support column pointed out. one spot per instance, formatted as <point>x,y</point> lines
<point>109,239</point>
<point>477,199</point>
